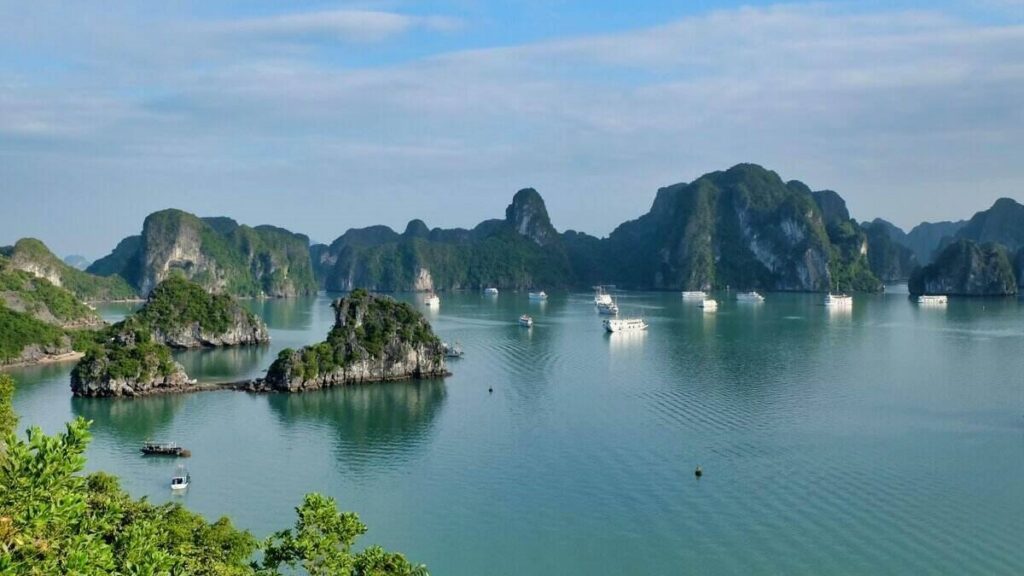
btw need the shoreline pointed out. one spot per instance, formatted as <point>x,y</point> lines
<point>253,386</point>
<point>53,359</point>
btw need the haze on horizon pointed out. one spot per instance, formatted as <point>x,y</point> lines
<point>319,117</point>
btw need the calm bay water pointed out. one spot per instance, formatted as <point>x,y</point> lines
<point>885,440</point>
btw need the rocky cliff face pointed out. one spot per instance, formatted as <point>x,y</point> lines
<point>374,339</point>
<point>890,260</point>
<point>965,268</point>
<point>528,216</point>
<point>181,314</point>
<point>218,253</point>
<point>129,364</point>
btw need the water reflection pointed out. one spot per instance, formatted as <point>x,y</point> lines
<point>224,364</point>
<point>130,420</point>
<point>376,425</point>
<point>620,342</point>
<point>284,313</point>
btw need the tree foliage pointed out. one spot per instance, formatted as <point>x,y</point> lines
<point>56,520</point>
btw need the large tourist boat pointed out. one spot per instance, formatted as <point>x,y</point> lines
<point>615,325</point>
<point>751,296</point>
<point>834,300</point>
<point>432,301</point>
<point>694,295</point>
<point>933,299</point>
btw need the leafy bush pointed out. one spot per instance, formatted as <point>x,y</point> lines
<point>19,330</point>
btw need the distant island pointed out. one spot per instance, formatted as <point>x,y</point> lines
<point>743,228</point>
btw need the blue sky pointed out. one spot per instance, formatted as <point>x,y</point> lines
<point>321,116</point>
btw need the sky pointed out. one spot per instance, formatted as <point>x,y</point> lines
<point>322,116</point>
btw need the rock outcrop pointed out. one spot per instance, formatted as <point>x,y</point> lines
<point>965,268</point>
<point>744,227</point>
<point>374,339</point>
<point>181,314</point>
<point>217,253</point>
<point>528,216</point>
<point>129,364</point>
<point>926,238</point>
<point>1001,224</point>
<point>890,260</point>
<point>32,256</point>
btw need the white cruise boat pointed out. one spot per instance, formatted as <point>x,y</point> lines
<point>526,321</point>
<point>490,291</point>
<point>833,300</point>
<point>609,309</point>
<point>602,298</point>
<point>751,296</point>
<point>614,325</point>
<point>933,299</point>
<point>694,295</point>
<point>538,296</point>
<point>432,301</point>
<point>709,305</point>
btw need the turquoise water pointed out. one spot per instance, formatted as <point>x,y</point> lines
<point>885,440</point>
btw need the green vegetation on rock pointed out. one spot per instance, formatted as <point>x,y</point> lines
<point>965,268</point>
<point>24,292</point>
<point>744,227</point>
<point>54,519</point>
<point>20,331</point>
<point>890,260</point>
<point>217,253</point>
<point>31,255</point>
<point>177,302</point>
<point>373,338</point>
<point>125,354</point>
<point>520,252</point>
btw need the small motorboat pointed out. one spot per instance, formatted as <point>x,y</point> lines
<point>181,479</point>
<point>526,321</point>
<point>709,305</point>
<point>452,350</point>
<point>538,296</point>
<point>490,291</point>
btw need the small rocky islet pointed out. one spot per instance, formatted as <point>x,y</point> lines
<point>133,357</point>
<point>374,339</point>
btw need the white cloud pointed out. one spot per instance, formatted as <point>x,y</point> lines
<point>345,25</point>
